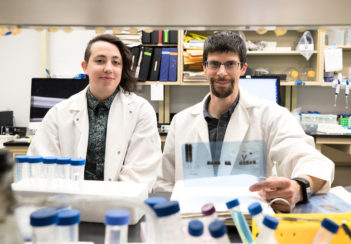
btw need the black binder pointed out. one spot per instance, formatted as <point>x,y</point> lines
<point>145,64</point>
<point>135,57</point>
<point>145,37</point>
<point>173,36</point>
<point>154,37</point>
<point>156,63</point>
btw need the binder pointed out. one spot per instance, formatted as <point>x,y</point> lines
<point>137,69</point>
<point>165,36</point>
<point>145,37</point>
<point>154,37</point>
<point>155,64</point>
<point>173,60</point>
<point>173,36</point>
<point>145,64</point>
<point>160,37</point>
<point>135,51</point>
<point>164,69</point>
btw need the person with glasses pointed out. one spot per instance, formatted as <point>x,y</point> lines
<point>228,114</point>
<point>106,123</point>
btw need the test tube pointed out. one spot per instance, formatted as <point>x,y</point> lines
<point>43,222</point>
<point>63,168</point>
<point>21,167</point>
<point>77,169</point>
<point>116,222</point>
<point>219,232</point>
<point>195,230</point>
<point>169,219</point>
<point>269,225</point>
<point>35,163</point>
<point>67,226</point>
<point>48,167</point>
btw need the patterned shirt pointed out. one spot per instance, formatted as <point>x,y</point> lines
<point>98,117</point>
<point>217,129</point>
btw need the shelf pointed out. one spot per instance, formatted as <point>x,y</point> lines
<point>159,45</point>
<point>169,83</point>
<point>194,83</point>
<point>345,47</point>
<point>275,53</point>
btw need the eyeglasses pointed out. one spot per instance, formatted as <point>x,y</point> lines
<point>229,65</point>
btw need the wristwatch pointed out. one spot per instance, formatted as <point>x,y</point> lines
<point>304,187</point>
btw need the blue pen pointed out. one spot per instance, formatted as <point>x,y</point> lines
<point>240,222</point>
<point>48,73</point>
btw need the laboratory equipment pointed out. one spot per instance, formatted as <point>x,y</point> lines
<point>209,215</point>
<point>195,230</point>
<point>152,201</point>
<point>255,210</point>
<point>116,222</point>
<point>77,169</point>
<point>43,222</point>
<point>21,167</point>
<point>35,163</point>
<point>325,233</point>
<point>240,221</point>
<point>337,85</point>
<point>170,222</point>
<point>67,226</point>
<point>347,92</point>
<point>63,168</point>
<point>48,167</point>
<point>269,225</point>
<point>219,232</point>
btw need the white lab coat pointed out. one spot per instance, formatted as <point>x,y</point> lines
<point>133,146</point>
<point>253,119</point>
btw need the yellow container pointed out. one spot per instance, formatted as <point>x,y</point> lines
<point>303,232</point>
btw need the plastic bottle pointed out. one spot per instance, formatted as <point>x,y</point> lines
<point>326,231</point>
<point>67,226</point>
<point>255,210</point>
<point>269,225</point>
<point>35,164</point>
<point>152,201</point>
<point>77,169</point>
<point>240,221</point>
<point>209,215</point>
<point>116,231</point>
<point>149,232</point>
<point>195,230</point>
<point>170,222</point>
<point>48,168</point>
<point>22,168</point>
<point>63,168</point>
<point>219,232</point>
<point>43,222</point>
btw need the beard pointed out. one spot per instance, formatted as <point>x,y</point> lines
<point>222,92</point>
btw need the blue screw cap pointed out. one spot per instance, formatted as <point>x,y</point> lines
<point>49,160</point>
<point>68,217</point>
<point>117,217</point>
<point>77,161</point>
<point>217,229</point>
<point>255,208</point>
<point>35,159</point>
<point>152,201</point>
<point>330,225</point>
<point>195,227</point>
<point>166,208</point>
<point>21,158</point>
<point>43,217</point>
<point>233,203</point>
<point>63,161</point>
<point>271,222</point>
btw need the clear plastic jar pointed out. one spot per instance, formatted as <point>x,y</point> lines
<point>218,231</point>
<point>48,168</point>
<point>22,167</point>
<point>63,168</point>
<point>116,222</point>
<point>43,222</point>
<point>326,231</point>
<point>35,163</point>
<point>209,214</point>
<point>67,226</point>
<point>77,169</point>
<point>151,202</point>
<point>195,231</point>
<point>170,222</point>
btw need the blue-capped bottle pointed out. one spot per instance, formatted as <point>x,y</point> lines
<point>116,230</point>
<point>149,234</point>
<point>43,222</point>
<point>269,225</point>
<point>35,164</point>
<point>77,169</point>
<point>22,167</point>
<point>67,226</point>
<point>326,232</point>
<point>63,168</point>
<point>255,211</point>
<point>170,222</point>
<point>195,231</point>
<point>219,231</point>
<point>48,168</point>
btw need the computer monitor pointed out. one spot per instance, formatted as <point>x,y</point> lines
<point>46,92</point>
<point>266,87</point>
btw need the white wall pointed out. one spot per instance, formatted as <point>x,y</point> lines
<point>19,62</point>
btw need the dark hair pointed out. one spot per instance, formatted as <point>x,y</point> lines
<point>128,80</point>
<point>225,41</point>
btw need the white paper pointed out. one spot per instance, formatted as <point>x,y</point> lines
<point>333,59</point>
<point>157,92</point>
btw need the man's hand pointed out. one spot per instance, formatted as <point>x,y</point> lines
<point>274,187</point>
